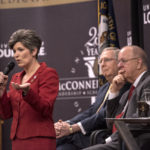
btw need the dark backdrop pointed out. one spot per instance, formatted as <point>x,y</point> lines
<point>69,35</point>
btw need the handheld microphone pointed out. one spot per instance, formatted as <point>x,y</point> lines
<point>9,67</point>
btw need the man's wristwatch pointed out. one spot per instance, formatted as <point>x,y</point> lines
<point>70,129</point>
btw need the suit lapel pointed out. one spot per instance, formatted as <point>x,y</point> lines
<point>101,96</point>
<point>145,75</point>
<point>132,107</point>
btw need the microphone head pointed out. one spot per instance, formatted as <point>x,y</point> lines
<point>9,67</point>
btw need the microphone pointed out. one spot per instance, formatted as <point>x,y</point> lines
<point>9,67</point>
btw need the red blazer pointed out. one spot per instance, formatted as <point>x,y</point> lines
<point>32,114</point>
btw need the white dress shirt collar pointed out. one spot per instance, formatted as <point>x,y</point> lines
<point>138,79</point>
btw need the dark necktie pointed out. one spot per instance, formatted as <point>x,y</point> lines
<point>130,92</point>
<point>121,114</point>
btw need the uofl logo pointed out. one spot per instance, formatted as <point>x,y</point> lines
<point>5,52</point>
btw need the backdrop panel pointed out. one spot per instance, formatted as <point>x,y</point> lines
<point>122,9</point>
<point>69,34</point>
<point>146,26</point>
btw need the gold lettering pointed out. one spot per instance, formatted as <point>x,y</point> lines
<point>110,23</point>
<point>103,5</point>
<point>112,36</point>
<point>112,45</point>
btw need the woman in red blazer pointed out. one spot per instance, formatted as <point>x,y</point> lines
<point>31,96</point>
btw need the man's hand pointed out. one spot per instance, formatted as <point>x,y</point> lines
<point>58,126</point>
<point>64,130</point>
<point>117,83</point>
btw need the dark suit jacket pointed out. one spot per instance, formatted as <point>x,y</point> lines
<point>89,118</point>
<point>92,120</point>
<point>116,106</point>
<point>32,114</point>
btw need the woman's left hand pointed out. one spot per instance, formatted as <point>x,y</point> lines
<point>24,87</point>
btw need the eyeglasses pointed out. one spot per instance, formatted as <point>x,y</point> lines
<point>126,60</point>
<point>106,60</point>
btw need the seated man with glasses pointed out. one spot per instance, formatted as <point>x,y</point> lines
<point>75,133</point>
<point>133,67</point>
<point>126,60</point>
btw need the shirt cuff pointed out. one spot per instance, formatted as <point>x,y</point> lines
<point>112,95</point>
<point>81,127</point>
<point>108,139</point>
<point>68,121</point>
